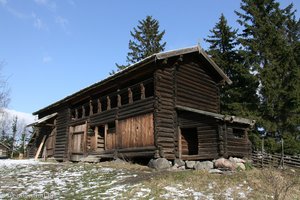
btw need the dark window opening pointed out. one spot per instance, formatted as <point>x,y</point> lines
<point>111,127</point>
<point>104,104</point>
<point>124,98</point>
<point>114,101</point>
<point>189,141</point>
<point>149,89</point>
<point>87,110</point>
<point>136,93</point>
<point>238,133</point>
<point>95,107</point>
<point>79,112</point>
<point>73,115</point>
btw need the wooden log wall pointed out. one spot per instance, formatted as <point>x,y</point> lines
<point>103,117</point>
<point>164,114</point>
<point>196,87</point>
<point>235,145</point>
<point>137,108</point>
<point>61,143</point>
<point>207,132</point>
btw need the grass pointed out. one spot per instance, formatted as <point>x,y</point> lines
<point>110,180</point>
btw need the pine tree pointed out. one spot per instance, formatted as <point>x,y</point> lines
<point>270,38</point>
<point>14,133</point>
<point>146,40</point>
<point>240,97</point>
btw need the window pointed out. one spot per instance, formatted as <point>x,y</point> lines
<point>238,133</point>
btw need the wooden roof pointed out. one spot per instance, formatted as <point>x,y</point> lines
<point>227,118</point>
<point>138,65</point>
<point>42,120</point>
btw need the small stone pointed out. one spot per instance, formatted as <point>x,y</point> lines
<point>181,168</point>
<point>206,165</point>
<point>241,166</point>
<point>179,162</point>
<point>215,171</point>
<point>190,164</point>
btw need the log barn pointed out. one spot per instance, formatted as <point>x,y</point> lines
<point>4,150</point>
<point>167,105</point>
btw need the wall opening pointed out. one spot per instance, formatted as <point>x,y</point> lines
<point>189,141</point>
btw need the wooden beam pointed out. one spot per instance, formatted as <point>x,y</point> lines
<point>40,148</point>
<point>76,113</point>
<point>143,95</point>
<point>119,100</point>
<point>91,107</point>
<point>83,111</point>
<point>99,105</point>
<point>179,143</point>
<point>108,103</point>
<point>105,136</point>
<point>130,98</point>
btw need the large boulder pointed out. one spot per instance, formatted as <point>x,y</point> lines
<point>224,163</point>
<point>206,165</point>
<point>190,164</point>
<point>159,164</point>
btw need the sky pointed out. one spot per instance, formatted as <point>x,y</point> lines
<point>50,49</point>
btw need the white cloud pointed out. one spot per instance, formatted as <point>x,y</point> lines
<point>26,118</point>
<point>47,59</point>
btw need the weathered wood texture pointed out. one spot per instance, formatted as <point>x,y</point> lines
<point>111,139</point>
<point>50,142</point>
<point>103,117</point>
<point>207,133</point>
<point>61,144</point>
<point>196,87</point>
<point>136,131</point>
<point>275,160</point>
<point>4,151</point>
<point>164,114</point>
<point>77,139</point>
<point>237,145</point>
<point>137,108</point>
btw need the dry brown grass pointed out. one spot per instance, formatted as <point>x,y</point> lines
<point>252,184</point>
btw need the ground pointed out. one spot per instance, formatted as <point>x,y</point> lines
<point>29,179</point>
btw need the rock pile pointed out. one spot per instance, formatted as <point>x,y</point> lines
<point>216,166</point>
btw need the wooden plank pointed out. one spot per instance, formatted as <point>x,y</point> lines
<point>40,148</point>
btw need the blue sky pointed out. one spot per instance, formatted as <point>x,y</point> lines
<point>52,49</point>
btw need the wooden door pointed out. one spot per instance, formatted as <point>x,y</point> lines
<point>50,143</point>
<point>77,137</point>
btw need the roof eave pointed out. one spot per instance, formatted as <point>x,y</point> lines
<point>214,65</point>
<point>110,78</point>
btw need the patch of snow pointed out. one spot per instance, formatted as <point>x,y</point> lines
<point>13,163</point>
<point>242,195</point>
<point>143,193</point>
<point>228,194</point>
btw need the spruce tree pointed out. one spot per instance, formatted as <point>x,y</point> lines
<point>146,40</point>
<point>270,40</point>
<point>240,97</point>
